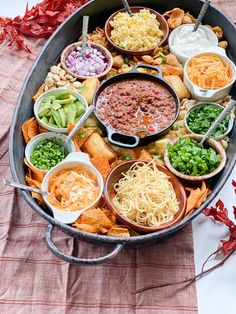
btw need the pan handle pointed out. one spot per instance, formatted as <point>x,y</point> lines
<point>122,140</point>
<point>77,260</point>
<point>147,66</point>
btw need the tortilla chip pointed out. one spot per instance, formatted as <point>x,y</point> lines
<point>42,130</point>
<point>116,163</point>
<point>202,198</point>
<point>81,136</point>
<point>145,155</point>
<point>102,165</point>
<point>204,193</point>
<point>175,18</point>
<point>30,129</point>
<point>109,214</point>
<point>172,60</point>
<point>196,197</point>
<point>118,232</point>
<point>35,173</point>
<point>24,129</point>
<point>39,92</point>
<point>96,218</point>
<point>167,14</point>
<point>218,31</point>
<point>33,129</point>
<point>174,70</point>
<point>86,227</point>
<point>189,213</point>
<point>192,200</point>
<point>188,188</point>
<point>187,19</point>
<point>35,184</point>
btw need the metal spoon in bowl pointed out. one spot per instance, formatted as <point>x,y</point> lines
<point>79,124</point>
<point>84,34</point>
<point>24,187</point>
<point>127,7</point>
<point>201,14</point>
<point>28,188</point>
<point>221,117</point>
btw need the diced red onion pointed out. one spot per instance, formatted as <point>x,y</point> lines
<point>93,63</point>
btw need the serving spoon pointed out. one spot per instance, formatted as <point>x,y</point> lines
<point>221,117</point>
<point>127,7</point>
<point>89,111</point>
<point>84,34</point>
<point>201,14</point>
<point>28,188</point>
<point>25,187</point>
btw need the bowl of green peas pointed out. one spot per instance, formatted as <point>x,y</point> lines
<point>46,150</point>
<point>199,118</point>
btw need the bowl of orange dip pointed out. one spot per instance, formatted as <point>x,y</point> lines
<point>74,186</point>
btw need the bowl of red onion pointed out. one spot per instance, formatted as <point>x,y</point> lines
<point>97,60</point>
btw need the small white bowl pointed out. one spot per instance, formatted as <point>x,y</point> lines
<point>52,93</point>
<point>210,94</point>
<point>71,161</point>
<point>217,138</point>
<point>70,146</point>
<point>183,57</point>
<point>106,53</point>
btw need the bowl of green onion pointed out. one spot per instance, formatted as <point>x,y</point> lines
<point>189,160</point>
<point>199,118</point>
<point>46,150</point>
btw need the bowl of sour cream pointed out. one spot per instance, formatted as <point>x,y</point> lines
<point>184,43</point>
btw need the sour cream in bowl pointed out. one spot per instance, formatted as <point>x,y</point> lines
<point>185,43</point>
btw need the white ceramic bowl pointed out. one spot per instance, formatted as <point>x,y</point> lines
<point>70,147</point>
<point>52,93</point>
<point>231,120</point>
<point>210,94</point>
<point>183,57</point>
<point>71,161</point>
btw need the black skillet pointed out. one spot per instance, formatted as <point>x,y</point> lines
<point>131,141</point>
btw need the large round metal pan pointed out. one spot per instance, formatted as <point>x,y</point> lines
<point>69,32</point>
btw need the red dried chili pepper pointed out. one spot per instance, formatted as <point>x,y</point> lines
<point>38,22</point>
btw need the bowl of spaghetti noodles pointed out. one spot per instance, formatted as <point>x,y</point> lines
<point>145,196</point>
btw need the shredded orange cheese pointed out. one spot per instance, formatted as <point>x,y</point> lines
<point>73,189</point>
<point>209,72</point>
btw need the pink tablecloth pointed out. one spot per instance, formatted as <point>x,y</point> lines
<point>32,280</point>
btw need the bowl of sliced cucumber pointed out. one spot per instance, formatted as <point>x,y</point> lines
<point>55,109</point>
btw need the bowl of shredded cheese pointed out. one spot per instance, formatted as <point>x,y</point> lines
<point>138,34</point>
<point>209,76</point>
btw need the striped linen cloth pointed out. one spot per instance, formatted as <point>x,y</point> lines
<point>32,280</point>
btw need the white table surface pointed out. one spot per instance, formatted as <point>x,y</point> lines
<point>216,291</point>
